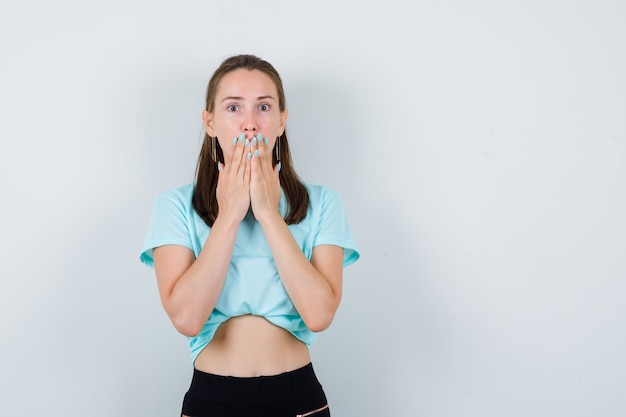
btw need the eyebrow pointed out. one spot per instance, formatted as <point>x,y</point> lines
<point>241,98</point>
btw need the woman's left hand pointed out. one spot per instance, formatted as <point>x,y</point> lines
<point>264,183</point>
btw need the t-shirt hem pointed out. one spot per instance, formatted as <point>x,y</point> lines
<point>351,252</point>
<point>146,255</point>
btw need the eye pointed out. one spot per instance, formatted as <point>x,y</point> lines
<point>233,108</point>
<point>264,107</point>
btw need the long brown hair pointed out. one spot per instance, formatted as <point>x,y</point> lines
<point>204,198</point>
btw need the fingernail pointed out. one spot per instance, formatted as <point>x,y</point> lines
<point>219,166</point>
<point>256,153</point>
<point>266,140</point>
<point>241,136</point>
<point>259,137</point>
<point>279,165</point>
<point>254,141</point>
<point>249,156</point>
<point>247,143</point>
<point>235,140</point>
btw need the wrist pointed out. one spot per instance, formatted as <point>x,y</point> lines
<point>227,220</point>
<point>270,218</point>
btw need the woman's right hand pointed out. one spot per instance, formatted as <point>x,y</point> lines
<point>233,184</point>
<point>190,286</point>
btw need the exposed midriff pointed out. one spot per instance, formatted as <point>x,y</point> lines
<point>250,346</point>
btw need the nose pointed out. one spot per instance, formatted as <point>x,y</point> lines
<point>250,124</point>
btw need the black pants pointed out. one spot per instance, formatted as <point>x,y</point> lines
<point>292,394</point>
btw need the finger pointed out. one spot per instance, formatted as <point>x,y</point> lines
<point>261,144</point>
<point>269,151</point>
<point>257,165</point>
<point>262,147</point>
<point>255,141</point>
<point>238,154</point>
<point>248,168</point>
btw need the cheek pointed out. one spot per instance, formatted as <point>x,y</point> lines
<point>224,123</point>
<point>226,131</point>
<point>270,126</point>
<point>225,142</point>
<point>227,148</point>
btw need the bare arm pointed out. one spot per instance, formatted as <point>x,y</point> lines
<point>314,287</point>
<point>189,288</point>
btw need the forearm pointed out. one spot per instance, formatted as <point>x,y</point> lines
<point>192,298</point>
<point>309,290</point>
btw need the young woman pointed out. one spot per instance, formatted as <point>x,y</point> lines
<point>249,259</point>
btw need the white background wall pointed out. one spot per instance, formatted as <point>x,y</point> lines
<point>479,147</point>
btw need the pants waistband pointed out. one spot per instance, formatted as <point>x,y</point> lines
<point>210,387</point>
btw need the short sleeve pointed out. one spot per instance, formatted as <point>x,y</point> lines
<point>169,225</point>
<point>333,227</point>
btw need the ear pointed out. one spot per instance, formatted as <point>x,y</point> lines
<point>283,121</point>
<point>207,121</point>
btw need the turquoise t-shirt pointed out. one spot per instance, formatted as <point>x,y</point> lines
<point>252,284</point>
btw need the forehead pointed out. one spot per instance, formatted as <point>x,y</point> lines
<point>246,83</point>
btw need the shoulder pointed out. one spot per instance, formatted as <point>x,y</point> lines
<point>320,193</point>
<point>171,223</point>
<point>179,195</point>
<point>324,199</point>
<point>174,202</point>
<point>183,191</point>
